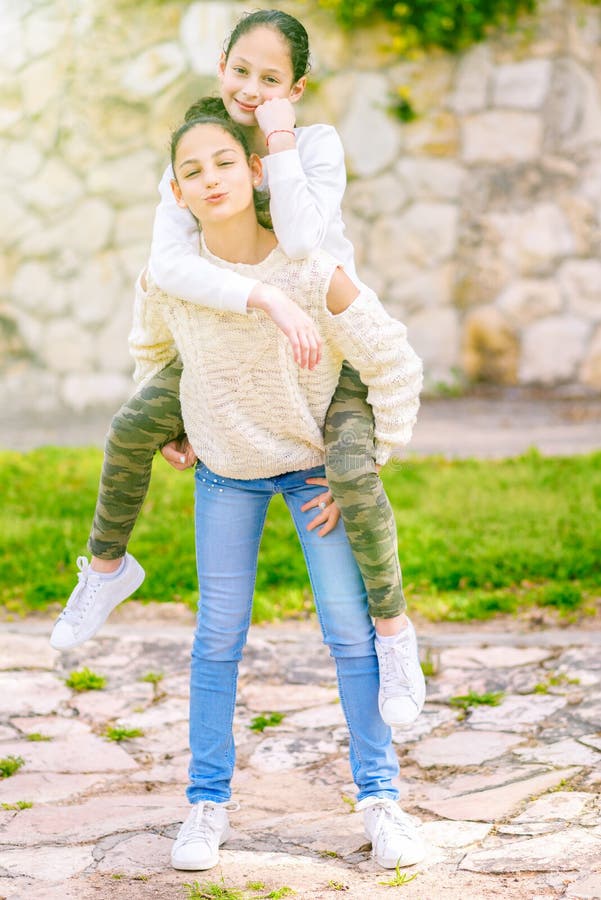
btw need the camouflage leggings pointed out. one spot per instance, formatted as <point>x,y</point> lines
<point>152,418</point>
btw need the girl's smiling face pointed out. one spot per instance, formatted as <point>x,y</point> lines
<point>258,68</point>
<point>214,178</point>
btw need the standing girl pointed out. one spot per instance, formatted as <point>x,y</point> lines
<point>255,419</point>
<point>262,75</point>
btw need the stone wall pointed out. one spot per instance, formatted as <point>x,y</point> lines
<point>478,223</point>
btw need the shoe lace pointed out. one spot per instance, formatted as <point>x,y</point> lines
<point>84,595</point>
<point>200,826</point>
<point>395,678</point>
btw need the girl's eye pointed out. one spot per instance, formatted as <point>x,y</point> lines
<point>226,162</point>
<point>192,173</point>
<point>271,80</point>
<point>239,70</point>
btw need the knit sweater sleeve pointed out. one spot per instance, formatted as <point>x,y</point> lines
<point>151,343</point>
<point>377,346</point>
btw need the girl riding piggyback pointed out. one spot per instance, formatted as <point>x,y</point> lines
<point>262,75</point>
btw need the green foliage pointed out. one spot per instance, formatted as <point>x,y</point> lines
<point>19,805</point>
<point>260,723</point>
<point>85,680</point>
<point>117,733</point>
<point>565,597</point>
<point>476,538</point>
<point>473,699</point>
<point>399,878</point>
<point>153,677</point>
<point>422,24</point>
<point>9,765</point>
<point>211,891</point>
<point>37,736</point>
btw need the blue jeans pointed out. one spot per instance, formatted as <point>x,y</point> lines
<point>230,514</point>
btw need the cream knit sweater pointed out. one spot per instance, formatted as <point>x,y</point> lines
<point>248,409</point>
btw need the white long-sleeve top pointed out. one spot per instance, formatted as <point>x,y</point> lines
<point>249,410</point>
<point>306,187</point>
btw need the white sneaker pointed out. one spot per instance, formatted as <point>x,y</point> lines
<point>402,691</point>
<point>197,844</point>
<point>92,601</point>
<point>394,838</point>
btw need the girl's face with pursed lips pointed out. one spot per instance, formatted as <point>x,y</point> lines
<point>258,68</point>
<point>214,179</point>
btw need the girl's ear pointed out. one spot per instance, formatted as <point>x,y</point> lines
<point>221,66</point>
<point>256,168</point>
<point>177,193</point>
<point>298,89</point>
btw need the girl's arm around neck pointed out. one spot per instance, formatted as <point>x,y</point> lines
<point>177,267</point>
<point>306,187</point>
<point>377,346</point>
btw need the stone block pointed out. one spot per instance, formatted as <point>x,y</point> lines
<point>93,819</point>
<point>85,755</point>
<point>490,347</point>
<point>284,697</point>
<point>590,371</point>
<point>492,657</point>
<point>365,118</point>
<point>552,350</point>
<point>31,693</point>
<point>567,752</point>
<point>141,854</point>
<point>431,179</point>
<point>19,651</point>
<point>490,804</point>
<point>47,787</point>
<point>472,80</point>
<point>49,864</point>
<point>462,748</point>
<point>454,835</point>
<point>90,391</point>
<point>573,113</point>
<point>529,299</point>
<point>429,719</point>
<point>42,83</point>
<point>36,289</point>
<point>587,887</point>
<point>130,178</point>
<point>434,335</point>
<point>276,754</point>
<point>373,197</point>
<point>153,70</point>
<point>428,289</point>
<point>435,134</point>
<point>516,714</point>
<point>569,850</point>
<point>201,32</point>
<point>568,805</point>
<point>53,188</point>
<point>522,85</point>
<point>580,284</point>
<point>67,347</point>
<point>501,137</point>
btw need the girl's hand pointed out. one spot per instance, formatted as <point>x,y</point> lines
<point>275,114</point>
<point>329,514</point>
<point>179,454</point>
<point>299,328</point>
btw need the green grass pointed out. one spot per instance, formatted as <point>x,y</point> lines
<point>121,734</point>
<point>260,723</point>
<point>38,736</point>
<point>476,538</point>
<point>85,680</point>
<point>19,805</point>
<point>9,765</point>
<point>473,699</point>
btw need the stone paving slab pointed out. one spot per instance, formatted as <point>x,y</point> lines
<point>508,796</point>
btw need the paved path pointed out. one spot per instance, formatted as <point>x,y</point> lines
<point>492,426</point>
<point>508,794</point>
